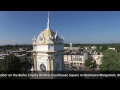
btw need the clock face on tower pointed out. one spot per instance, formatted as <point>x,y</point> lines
<point>41,39</point>
<point>42,67</point>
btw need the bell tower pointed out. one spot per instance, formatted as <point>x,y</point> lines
<point>48,49</point>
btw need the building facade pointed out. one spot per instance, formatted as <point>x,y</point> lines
<point>75,60</point>
<point>78,60</point>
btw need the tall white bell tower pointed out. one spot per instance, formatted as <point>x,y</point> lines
<point>48,49</point>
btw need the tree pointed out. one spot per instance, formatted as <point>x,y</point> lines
<point>93,65</point>
<point>88,62</point>
<point>110,61</point>
<point>98,48</point>
<point>11,64</point>
<point>118,48</point>
<point>104,47</point>
<point>66,45</point>
<point>81,46</point>
<point>81,49</point>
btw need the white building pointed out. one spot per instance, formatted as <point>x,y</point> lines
<point>71,48</point>
<point>2,56</point>
<point>97,58</point>
<point>93,47</point>
<point>75,60</point>
<point>111,48</point>
<point>48,50</point>
<point>86,47</point>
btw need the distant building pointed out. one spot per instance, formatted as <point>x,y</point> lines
<point>2,56</point>
<point>20,54</point>
<point>22,58</point>
<point>71,47</point>
<point>97,58</point>
<point>78,60</point>
<point>111,48</point>
<point>75,60</point>
<point>86,47</point>
<point>93,47</point>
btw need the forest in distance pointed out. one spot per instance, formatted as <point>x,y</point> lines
<point>30,47</point>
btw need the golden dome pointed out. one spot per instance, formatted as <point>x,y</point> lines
<point>46,36</point>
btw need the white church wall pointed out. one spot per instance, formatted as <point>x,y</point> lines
<point>41,60</point>
<point>42,48</point>
<point>34,48</point>
<point>41,54</point>
<point>51,48</point>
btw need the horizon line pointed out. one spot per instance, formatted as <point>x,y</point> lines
<point>64,43</point>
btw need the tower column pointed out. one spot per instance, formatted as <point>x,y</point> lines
<point>35,63</point>
<point>63,62</point>
<point>51,65</point>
